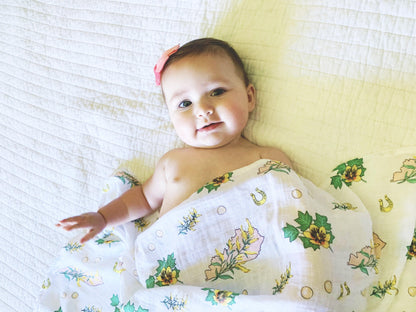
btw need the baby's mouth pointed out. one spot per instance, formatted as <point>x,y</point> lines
<point>209,127</point>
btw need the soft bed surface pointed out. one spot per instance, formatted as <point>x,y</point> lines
<point>335,81</point>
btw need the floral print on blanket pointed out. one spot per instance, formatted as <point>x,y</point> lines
<point>91,279</point>
<point>351,171</point>
<point>128,307</point>
<point>389,287</point>
<point>127,178</point>
<point>407,172</point>
<point>73,247</point>
<point>411,249</point>
<point>343,206</point>
<point>141,224</point>
<point>367,257</point>
<point>244,246</point>
<point>174,303</point>
<point>189,222</point>
<point>166,273</point>
<point>364,260</point>
<point>91,309</point>
<point>217,182</point>
<point>273,165</point>
<point>220,297</point>
<point>313,227</point>
<point>284,280</point>
<point>107,238</point>
<point>314,233</point>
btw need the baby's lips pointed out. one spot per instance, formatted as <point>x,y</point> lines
<point>210,126</point>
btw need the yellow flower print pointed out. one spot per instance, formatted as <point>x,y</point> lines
<point>166,273</point>
<point>222,179</point>
<point>313,233</point>
<point>167,276</point>
<point>244,246</point>
<point>411,249</point>
<point>189,222</point>
<point>220,297</point>
<point>318,236</point>
<point>217,182</point>
<point>351,171</point>
<point>284,280</point>
<point>352,174</point>
<point>140,224</point>
<point>389,287</point>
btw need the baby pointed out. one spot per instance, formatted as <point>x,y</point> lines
<point>209,98</point>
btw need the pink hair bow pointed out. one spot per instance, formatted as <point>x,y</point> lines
<point>162,61</point>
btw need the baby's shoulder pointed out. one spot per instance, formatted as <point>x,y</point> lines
<point>176,159</point>
<point>274,154</point>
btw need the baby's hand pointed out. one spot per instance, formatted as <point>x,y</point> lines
<point>93,221</point>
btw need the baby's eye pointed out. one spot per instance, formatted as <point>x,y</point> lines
<point>217,92</point>
<point>184,104</point>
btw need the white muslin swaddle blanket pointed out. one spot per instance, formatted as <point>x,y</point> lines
<point>259,238</point>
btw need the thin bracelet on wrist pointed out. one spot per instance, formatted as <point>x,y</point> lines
<point>105,220</point>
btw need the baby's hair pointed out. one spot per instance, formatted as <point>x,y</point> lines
<point>210,46</point>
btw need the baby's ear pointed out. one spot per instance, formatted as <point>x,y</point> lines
<point>251,97</point>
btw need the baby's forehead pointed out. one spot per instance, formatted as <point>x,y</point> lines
<point>218,53</point>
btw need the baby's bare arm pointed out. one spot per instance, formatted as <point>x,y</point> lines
<point>137,202</point>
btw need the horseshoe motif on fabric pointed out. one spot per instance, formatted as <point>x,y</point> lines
<point>263,197</point>
<point>389,206</point>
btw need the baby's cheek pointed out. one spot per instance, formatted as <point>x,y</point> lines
<point>184,131</point>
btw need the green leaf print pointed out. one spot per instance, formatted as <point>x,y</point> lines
<point>150,282</point>
<point>322,221</point>
<point>340,168</point>
<point>307,243</point>
<point>336,181</point>
<point>304,220</point>
<point>115,301</point>
<point>290,232</point>
<point>128,307</point>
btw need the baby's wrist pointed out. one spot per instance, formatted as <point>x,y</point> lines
<point>102,215</point>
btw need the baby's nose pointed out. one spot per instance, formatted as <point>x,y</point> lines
<point>203,109</point>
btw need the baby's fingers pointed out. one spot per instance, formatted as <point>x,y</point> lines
<point>71,223</point>
<point>88,236</point>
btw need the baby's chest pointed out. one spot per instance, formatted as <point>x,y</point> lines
<point>181,184</point>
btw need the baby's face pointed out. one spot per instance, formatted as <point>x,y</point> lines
<point>207,99</point>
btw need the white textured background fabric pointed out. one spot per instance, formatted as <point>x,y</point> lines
<point>335,80</point>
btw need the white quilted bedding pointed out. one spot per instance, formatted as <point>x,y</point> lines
<point>336,80</point>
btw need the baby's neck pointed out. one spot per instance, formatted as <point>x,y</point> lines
<point>237,143</point>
